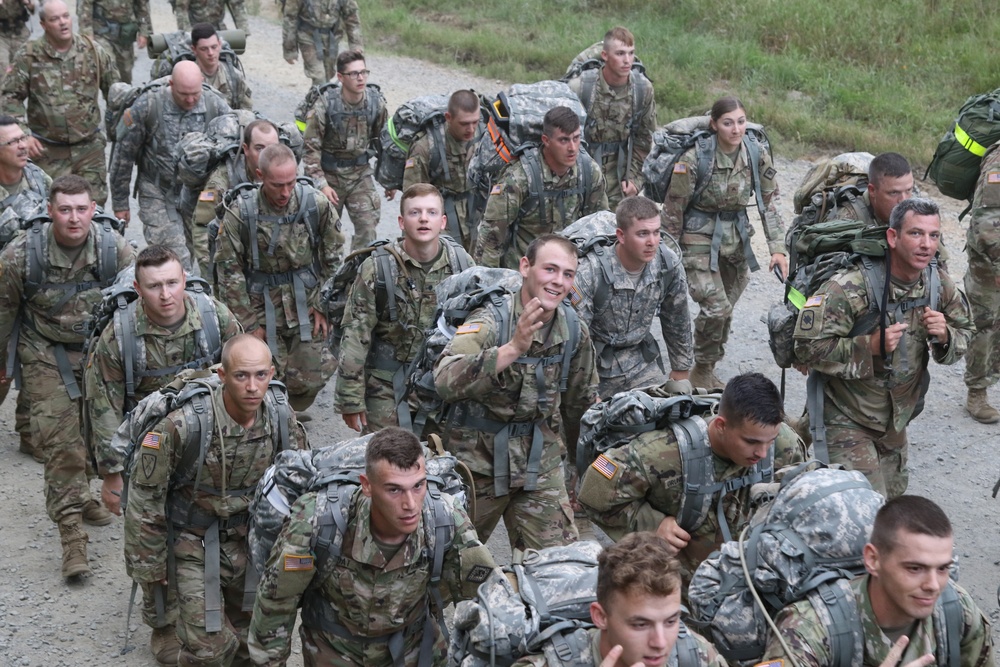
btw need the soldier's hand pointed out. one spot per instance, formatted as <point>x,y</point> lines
<point>356,420</point>
<point>611,659</point>
<point>390,195</point>
<point>894,655</point>
<point>124,215</point>
<point>629,189</point>
<point>893,333</point>
<point>111,493</point>
<point>677,376</point>
<point>260,332</point>
<point>936,325</point>
<point>141,41</point>
<point>320,324</point>
<point>35,148</point>
<point>292,60</point>
<point>3,376</point>
<point>675,536</point>
<point>779,260</point>
<point>528,323</point>
<point>330,194</point>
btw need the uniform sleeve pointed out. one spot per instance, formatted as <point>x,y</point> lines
<point>581,389</point>
<point>822,331</point>
<point>229,258</point>
<point>313,141</point>
<point>229,326</point>
<point>958,317</point>
<point>643,142</point>
<point>467,368</point>
<point>804,635</point>
<point>468,561</point>
<point>105,387</point>
<point>142,16</point>
<point>502,208</point>
<point>597,198</point>
<point>675,318</point>
<point>360,319</point>
<point>351,23</point>
<point>131,137</point>
<point>290,30</point>
<point>679,193</point>
<point>984,225</point>
<point>774,227</point>
<point>15,86</point>
<point>417,168</point>
<point>211,195</point>
<point>331,245</point>
<point>246,96</point>
<point>788,447</point>
<point>11,285</point>
<point>977,638</point>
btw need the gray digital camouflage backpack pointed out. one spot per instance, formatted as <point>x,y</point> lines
<point>424,114</point>
<point>169,48</point>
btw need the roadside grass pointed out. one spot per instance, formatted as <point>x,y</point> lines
<point>851,75</point>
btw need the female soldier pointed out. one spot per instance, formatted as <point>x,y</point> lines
<point>709,219</point>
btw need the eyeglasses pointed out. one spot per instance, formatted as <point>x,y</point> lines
<point>16,140</point>
<point>357,75</point>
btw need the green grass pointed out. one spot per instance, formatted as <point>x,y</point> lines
<point>850,75</point>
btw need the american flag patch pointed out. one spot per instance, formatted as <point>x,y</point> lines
<point>605,466</point>
<point>497,189</point>
<point>773,663</point>
<point>206,195</point>
<point>813,301</point>
<point>574,296</point>
<point>152,440</point>
<point>680,168</point>
<point>993,177</point>
<point>409,163</point>
<point>468,328</point>
<point>298,563</point>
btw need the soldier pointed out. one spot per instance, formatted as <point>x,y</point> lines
<point>646,281</point>
<point>191,12</point>
<point>461,123</point>
<point>225,78</point>
<point>638,611</point>
<point>641,485</point>
<point>117,25</point>
<point>148,132</point>
<point>14,29</point>
<point>890,181</point>
<point>573,186</point>
<point>509,425</point>
<point>908,561</point>
<point>270,273</point>
<point>342,130</point>
<point>871,379</point>
<point>240,167</point>
<point>314,27</point>
<point>386,559</point>
<point>53,305</point>
<point>65,120</point>
<point>203,529</point>
<point>621,114</point>
<point>377,347</point>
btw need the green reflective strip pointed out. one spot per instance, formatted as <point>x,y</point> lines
<point>968,143</point>
<point>796,298</point>
<point>395,139</point>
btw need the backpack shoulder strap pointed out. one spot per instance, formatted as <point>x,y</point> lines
<point>705,145</point>
<point>440,536</point>
<point>196,400</point>
<point>123,321</point>
<point>36,263</point>
<point>386,274</point>
<point>840,605</point>
<point>107,252</point>
<point>209,320</point>
<point>686,648</point>
<point>754,154</point>
<point>948,621</point>
<point>588,84</point>
<point>697,470</point>
<point>458,259</point>
<point>276,399</point>
<point>933,284</point>
<point>571,345</point>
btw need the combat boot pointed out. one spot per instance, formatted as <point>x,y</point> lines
<point>164,645</point>
<point>703,376</point>
<point>74,546</point>
<point>94,514</point>
<point>979,407</point>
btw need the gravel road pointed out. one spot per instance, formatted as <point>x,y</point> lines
<point>47,623</point>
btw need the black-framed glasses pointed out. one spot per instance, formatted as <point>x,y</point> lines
<point>357,75</point>
<point>16,140</point>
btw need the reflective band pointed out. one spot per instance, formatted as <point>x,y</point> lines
<point>968,143</point>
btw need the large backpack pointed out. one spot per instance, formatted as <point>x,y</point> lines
<point>121,96</point>
<point>833,183</point>
<point>176,46</point>
<point>955,165</point>
<point>19,207</point>
<point>616,422</point>
<point>804,543</point>
<point>513,129</point>
<point>420,115</point>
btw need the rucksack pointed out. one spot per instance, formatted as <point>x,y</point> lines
<point>804,543</point>
<point>176,46</point>
<point>420,115</point>
<point>122,96</point>
<point>24,205</point>
<point>955,165</point>
<point>548,614</point>
<point>832,183</point>
<point>616,422</point>
<point>513,129</point>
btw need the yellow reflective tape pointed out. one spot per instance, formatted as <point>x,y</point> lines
<point>796,298</point>
<point>968,143</point>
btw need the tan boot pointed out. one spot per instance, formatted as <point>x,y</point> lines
<point>703,376</point>
<point>74,546</point>
<point>164,645</point>
<point>94,514</point>
<point>979,407</point>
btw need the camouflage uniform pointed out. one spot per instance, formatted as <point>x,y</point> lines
<point>339,154</point>
<point>707,655</point>
<point>303,363</point>
<point>648,485</point>
<point>808,639</point>
<point>866,405</point>
<point>982,243</point>
<point>189,12</point>
<point>147,134</point>
<point>610,118</point>
<point>314,28</point>
<point>116,24</point>
<point>512,403</point>
<point>233,86</point>
<point>233,465</point>
<point>61,90</point>
<point>14,29</point>
<point>421,167</point>
<point>628,356</point>
<point>369,596</point>
<point>373,343</point>
<point>230,173</point>
<point>45,335</point>
<point>720,211</point>
<point>494,243</point>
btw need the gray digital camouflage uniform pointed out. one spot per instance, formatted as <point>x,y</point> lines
<point>314,28</point>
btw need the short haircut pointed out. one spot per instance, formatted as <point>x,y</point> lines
<point>258,124</point>
<point>539,241</point>
<point>916,205</point>
<point>396,446</point>
<point>623,35</point>
<point>70,184</point>
<point>153,256</point>
<point>913,514</point>
<point>892,165</point>
<point>751,397</point>
<point>200,31</point>
<point>419,190</point>
<point>347,57</point>
<point>232,343</point>
<point>463,101</point>
<point>638,563</point>
<point>6,120</point>
<point>632,209</point>
<point>274,155</point>
<point>724,105</point>
<point>560,118</point>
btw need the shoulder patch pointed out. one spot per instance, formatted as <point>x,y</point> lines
<point>772,663</point>
<point>478,574</point>
<point>993,177</point>
<point>127,118</point>
<point>814,301</point>
<point>770,173</point>
<point>409,163</point>
<point>574,296</point>
<point>468,328</point>
<point>152,440</point>
<point>497,189</point>
<point>680,168</point>
<point>605,466</point>
<point>298,564</point>
<point>206,195</point>
<point>808,320</point>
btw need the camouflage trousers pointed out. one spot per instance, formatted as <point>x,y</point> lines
<point>982,360</point>
<point>22,411</point>
<point>534,519</point>
<point>356,189</point>
<point>161,222</point>
<point>199,646</point>
<point>320,649</point>
<point>643,375</point>
<point>124,55</point>
<point>55,421</point>
<point>320,67</point>
<point>149,614</point>
<point>716,293</point>
<point>879,456</point>
<point>84,159</point>
<point>11,42</point>
<point>304,367</point>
